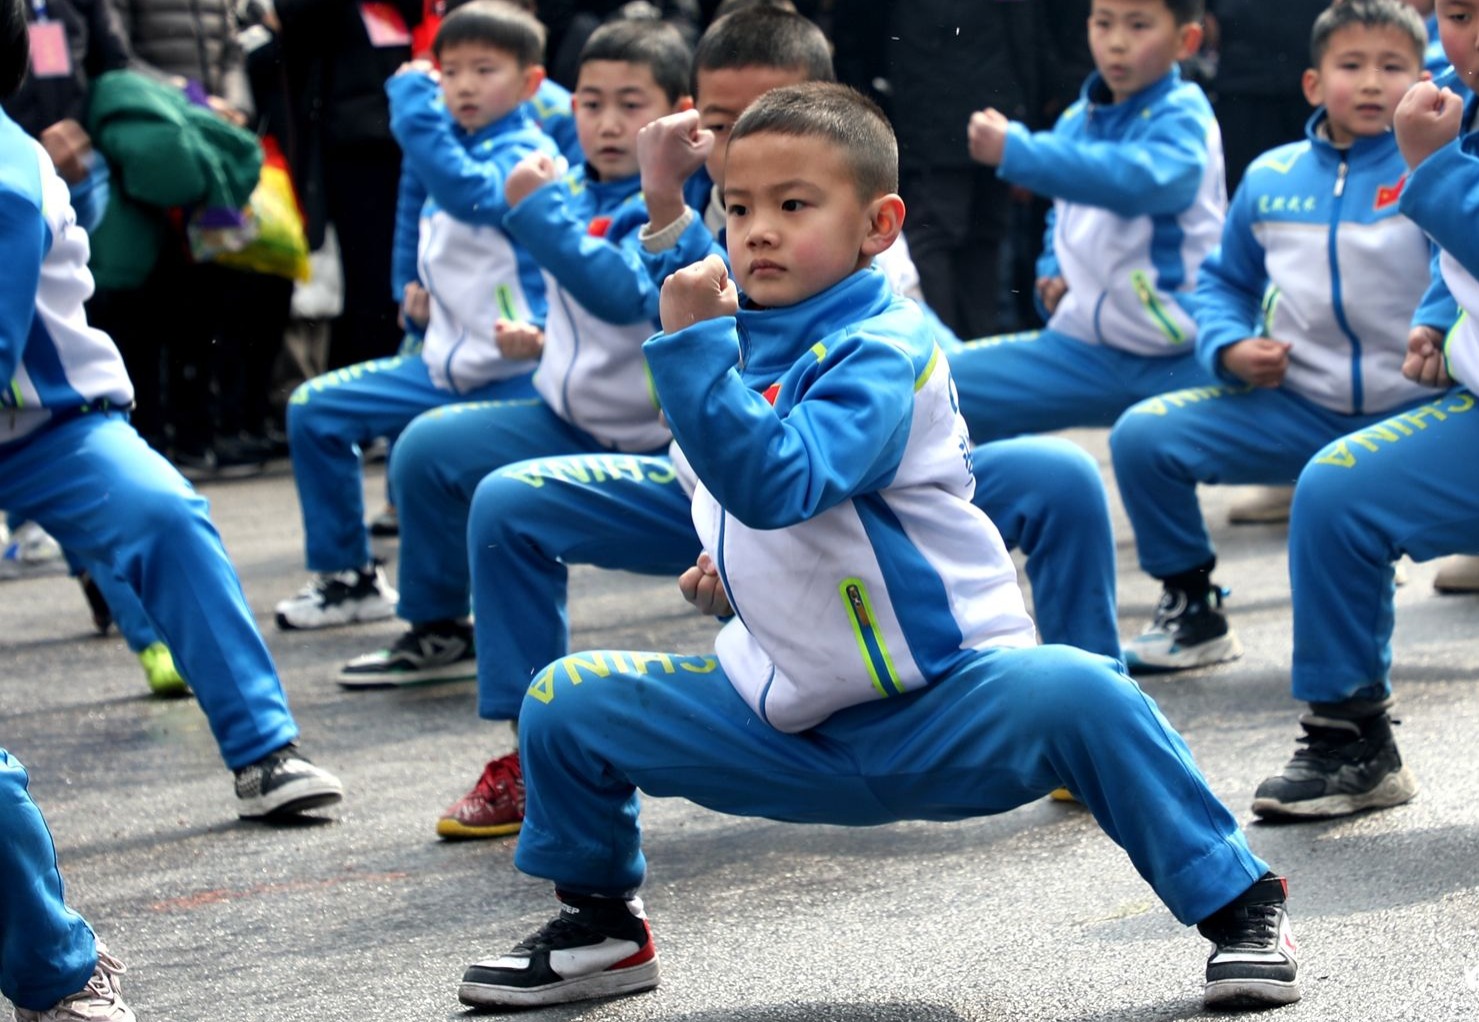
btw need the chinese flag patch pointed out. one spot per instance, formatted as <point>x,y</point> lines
<point>1387,195</point>
<point>599,226</point>
<point>772,392</point>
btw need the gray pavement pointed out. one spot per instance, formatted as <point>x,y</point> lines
<point>1033,915</point>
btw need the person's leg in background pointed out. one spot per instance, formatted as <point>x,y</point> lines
<point>360,188</point>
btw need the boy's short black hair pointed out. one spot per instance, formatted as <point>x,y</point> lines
<point>503,26</point>
<point>655,44</point>
<point>1186,11</point>
<point>764,36</point>
<point>1367,14</point>
<point>15,47</point>
<point>836,114</point>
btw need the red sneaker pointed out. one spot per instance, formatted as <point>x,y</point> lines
<point>494,807</point>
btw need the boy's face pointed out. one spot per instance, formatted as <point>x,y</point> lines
<point>796,224</point>
<point>482,83</point>
<point>614,100</point>
<point>1135,42</point>
<point>723,94</point>
<point>1361,78</point>
<point>1458,27</point>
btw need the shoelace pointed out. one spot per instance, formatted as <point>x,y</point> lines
<point>102,988</point>
<point>1334,745</point>
<point>560,931</point>
<point>498,776</point>
<point>1254,926</point>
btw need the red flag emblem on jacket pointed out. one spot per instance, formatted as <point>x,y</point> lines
<point>599,226</point>
<point>772,392</point>
<point>1387,195</point>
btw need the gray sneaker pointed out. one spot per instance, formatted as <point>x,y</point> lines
<point>99,1001</point>
<point>282,783</point>
<point>425,653</point>
<point>339,598</point>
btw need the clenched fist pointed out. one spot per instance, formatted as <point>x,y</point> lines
<point>1425,363</point>
<point>697,292</point>
<point>702,587</point>
<point>986,134</point>
<point>1427,119</point>
<point>517,339</point>
<point>529,175</point>
<point>670,149</point>
<point>1258,361</point>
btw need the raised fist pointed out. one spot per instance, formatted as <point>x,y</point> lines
<point>697,292</point>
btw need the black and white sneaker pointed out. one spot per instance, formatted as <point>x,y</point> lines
<point>282,783</point>
<point>1345,766</point>
<point>441,651</point>
<point>1254,961</point>
<point>595,947</point>
<point>339,598</point>
<point>1184,633</point>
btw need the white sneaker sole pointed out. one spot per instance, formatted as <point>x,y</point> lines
<point>1227,994</point>
<point>1213,651</point>
<point>462,670</point>
<point>583,988</point>
<point>295,797</point>
<point>1393,790</point>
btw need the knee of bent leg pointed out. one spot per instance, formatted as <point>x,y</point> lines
<point>1065,690</point>
<point>1133,438</point>
<point>571,694</point>
<point>502,501</point>
<point>1064,475</point>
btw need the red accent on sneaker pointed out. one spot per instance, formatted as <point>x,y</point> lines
<point>1284,883</point>
<point>646,953</point>
<point>493,808</point>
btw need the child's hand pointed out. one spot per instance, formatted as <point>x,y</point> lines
<point>702,587</point>
<point>70,149</point>
<point>1050,290</point>
<point>1427,119</point>
<point>425,67</point>
<point>986,133</point>
<point>1258,361</point>
<point>669,150</point>
<point>517,339</point>
<point>529,175</point>
<point>696,293</point>
<point>416,305</point>
<point>1424,362</point>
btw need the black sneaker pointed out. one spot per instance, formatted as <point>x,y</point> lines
<point>595,947</point>
<point>339,598</point>
<point>1254,960</point>
<point>1345,766</point>
<point>282,783</point>
<point>441,651</point>
<point>385,525</point>
<point>1184,633</point>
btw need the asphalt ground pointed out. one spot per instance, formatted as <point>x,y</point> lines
<point>362,913</point>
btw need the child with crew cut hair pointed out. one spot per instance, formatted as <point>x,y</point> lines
<point>592,394</point>
<point>1135,171</point>
<point>1406,485</point>
<point>880,664</point>
<point>462,130</point>
<point>1303,316</point>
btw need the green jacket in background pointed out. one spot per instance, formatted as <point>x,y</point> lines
<point>163,151</point>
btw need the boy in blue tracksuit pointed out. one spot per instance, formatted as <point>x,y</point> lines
<point>1303,316</point>
<point>70,461</point>
<point>462,131</point>
<point>1135,171</point>
<point>1406,485</point>
<point>536,518</point>
<point>880,664</point>
<point>592,389</point>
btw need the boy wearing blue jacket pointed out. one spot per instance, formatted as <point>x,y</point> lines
<point>1303,316</point>
<point>462,131</point>
<point>880,664</point>
<point>70,461</point>
<point>1135,172</point>
<point>1406,485</point>
<point>593,395</point>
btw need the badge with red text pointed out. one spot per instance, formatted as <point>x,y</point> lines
<point>50,57</point>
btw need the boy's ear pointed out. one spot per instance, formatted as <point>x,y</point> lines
<point>1314,93</point>
<point>1191,40</point>
<point>885,221</point>
<point>533,79</point>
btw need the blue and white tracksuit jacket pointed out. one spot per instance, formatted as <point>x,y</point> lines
<point>842,525</point>
<point>70,461</point>
<point>553,111</point>
<point>452,190</point>
<point>1408,484</point>
<point>602,305</point>
<point>1139,196</point>
<point>1314,253</point>
<point>879,630</point>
